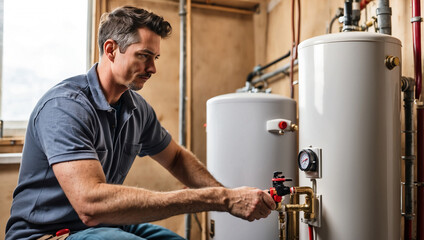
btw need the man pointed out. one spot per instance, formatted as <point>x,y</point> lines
<point>83,136</point>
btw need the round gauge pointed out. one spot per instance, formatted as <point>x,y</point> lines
<point>307,160</point>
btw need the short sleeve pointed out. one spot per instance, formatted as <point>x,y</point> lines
<point>154,137</point>
<point>65,130</point>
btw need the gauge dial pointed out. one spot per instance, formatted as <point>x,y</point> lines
<point>307,160</point>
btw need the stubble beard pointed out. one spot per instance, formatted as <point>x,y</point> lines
<point>134,87</point>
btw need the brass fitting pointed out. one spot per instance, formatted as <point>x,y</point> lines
<point>392,62</point>
<point>279,207</point>
<point>370,23</point>
<point>294,127</point>
<point>282,226</point>
<point>308,207</point>
<point>293,220</point>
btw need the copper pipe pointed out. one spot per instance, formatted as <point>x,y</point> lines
<point>292,220</point>
<point>298,207</point>
<point>282,225</point>
<point>304,190</point>
<point>308,207</point>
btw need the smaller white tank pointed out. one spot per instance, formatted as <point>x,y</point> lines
<point>241,152</point>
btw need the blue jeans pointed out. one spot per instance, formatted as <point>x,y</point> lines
<point>145,231</point>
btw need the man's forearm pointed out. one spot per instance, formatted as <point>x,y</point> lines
<point>96,201</point>
<point>113,204</point>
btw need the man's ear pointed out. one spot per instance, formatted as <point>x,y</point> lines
<point>110,47</point>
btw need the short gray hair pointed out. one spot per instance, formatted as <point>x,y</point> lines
<point>122,24</point>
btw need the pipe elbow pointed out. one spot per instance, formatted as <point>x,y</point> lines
<point>250,76</point>
<point>303,190</point>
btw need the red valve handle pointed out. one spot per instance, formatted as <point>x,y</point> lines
<point>274,195</point>
<point>283,125</point>
<point>280,179</point>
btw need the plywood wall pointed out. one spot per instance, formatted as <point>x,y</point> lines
<point>8,180</point>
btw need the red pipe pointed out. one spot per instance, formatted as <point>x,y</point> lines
<point>408,230</point>
<point>311,232</point>
<point>420,175</point>
<point>293,51</point>
<point>364,3</point>
<point>295,42</point>
<point>416,35</point>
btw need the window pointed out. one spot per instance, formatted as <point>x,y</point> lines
<point>44,42</point>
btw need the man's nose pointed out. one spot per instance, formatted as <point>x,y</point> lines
<point>150,66</point>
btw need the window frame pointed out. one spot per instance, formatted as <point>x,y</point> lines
<point>14,128</point>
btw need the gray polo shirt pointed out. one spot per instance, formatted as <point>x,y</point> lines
<point>73,121</point>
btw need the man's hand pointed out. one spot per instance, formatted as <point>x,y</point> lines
<point>250,203</point>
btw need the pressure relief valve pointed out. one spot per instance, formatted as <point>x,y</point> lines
<point>278,190</point>
<point>280,126</point>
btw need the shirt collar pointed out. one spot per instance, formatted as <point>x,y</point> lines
<point>99,99</point>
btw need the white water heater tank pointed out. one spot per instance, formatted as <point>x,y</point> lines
<point>349,107</point>
<point>242,152</point>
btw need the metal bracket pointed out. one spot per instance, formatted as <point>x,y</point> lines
<point>318,172</point>
<point>416,19</point>
<point>316,222</point>
<point>410,158</point>
<point>419,184</point>
<point>212,228</point>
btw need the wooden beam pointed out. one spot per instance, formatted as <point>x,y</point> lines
<point>100,7</point>
<point>225,9</point>
<point>210,6</point>
<point>189,80</point>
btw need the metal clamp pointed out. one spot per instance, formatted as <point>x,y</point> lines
<point>411,158</point>
<point>419,184</point>
<point>212,229</point>
<point>416,19</point>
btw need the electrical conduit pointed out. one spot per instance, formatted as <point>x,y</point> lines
<point>182,127</point>
<point>420,172</point>
<point>409,157</point>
